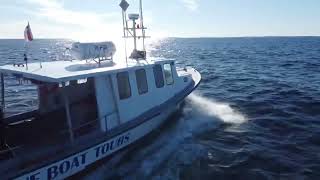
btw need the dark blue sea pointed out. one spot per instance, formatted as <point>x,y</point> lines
<point>256,114</point>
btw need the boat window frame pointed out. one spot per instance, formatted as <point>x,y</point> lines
<point>160,74</point>
<point>128,83</point>
<point>171,74</point>
<point>82,81</point>
<point>139,84</point>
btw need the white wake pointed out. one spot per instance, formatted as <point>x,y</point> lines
<point>222,111</point>
<point>174,146</point>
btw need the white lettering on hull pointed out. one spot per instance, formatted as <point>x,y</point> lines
<point>76,163</point>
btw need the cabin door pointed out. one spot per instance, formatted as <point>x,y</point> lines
<point>106,103</point>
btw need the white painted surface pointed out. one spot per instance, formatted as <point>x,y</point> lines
<point>137,104</point>
<point>61,71</point>
<point>105,103</point>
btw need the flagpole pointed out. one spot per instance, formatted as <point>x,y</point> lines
<point>25,54</point>
<point>28,37</point>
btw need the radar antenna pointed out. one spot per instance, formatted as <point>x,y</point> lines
<point>131,32</point>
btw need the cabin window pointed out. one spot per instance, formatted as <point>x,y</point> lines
<point>168,74</point>
<point>67,83</point>
<point>123,85</point>
<point>142,83</point>
<point>158,76</point>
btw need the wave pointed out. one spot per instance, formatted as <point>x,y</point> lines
<point>173,147</point>
<point>222,111</point>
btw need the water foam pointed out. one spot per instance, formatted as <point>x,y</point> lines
<point>174,146</point>
<point>171,148</point>
<point>222,111</point>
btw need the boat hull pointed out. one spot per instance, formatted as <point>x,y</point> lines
<point>81,160</point>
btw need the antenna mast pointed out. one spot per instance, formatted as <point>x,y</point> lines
<point>132,31</point>
<point>142,27</point>
<point>124,34</point>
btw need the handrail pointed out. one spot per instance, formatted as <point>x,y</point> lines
<point>88,123</point>
<point>13,149</point>
<point>22,116</point>
<point>10,150</point>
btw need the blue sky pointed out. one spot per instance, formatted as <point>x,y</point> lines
<point>101,19</point>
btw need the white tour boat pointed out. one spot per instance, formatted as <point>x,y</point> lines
<point>89,109</point>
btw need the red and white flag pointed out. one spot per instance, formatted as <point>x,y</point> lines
<point>27,33</point>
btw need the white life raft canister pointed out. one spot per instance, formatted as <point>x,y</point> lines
<point>84,51</point>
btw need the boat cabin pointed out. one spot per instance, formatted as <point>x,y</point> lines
<point>76,104</point>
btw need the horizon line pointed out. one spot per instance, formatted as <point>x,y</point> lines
<point>191,37</point>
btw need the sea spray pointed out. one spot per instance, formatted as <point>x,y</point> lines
<point>173,144</point>
<point>222,111</point>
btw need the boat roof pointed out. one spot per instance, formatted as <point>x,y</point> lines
<point>63,71</point>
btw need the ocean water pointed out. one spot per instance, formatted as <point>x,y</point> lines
<point>256,114</point>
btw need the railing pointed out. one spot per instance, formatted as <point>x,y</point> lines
<point>105,117</point>
<point>14,150</point>
<point>9,152</point>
